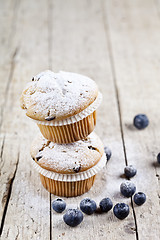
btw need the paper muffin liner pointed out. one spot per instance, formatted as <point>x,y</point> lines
<point>76,118</point>
<point>71,177</point>
<point>71,132</point>
<point>67,189</point>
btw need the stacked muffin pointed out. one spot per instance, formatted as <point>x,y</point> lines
<point>68,156</point>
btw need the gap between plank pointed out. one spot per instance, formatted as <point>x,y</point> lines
<point>50,12</point>
<point>50,216</point>
<point>106,27</point>
<point>135,219</point>
<point>8,196</point>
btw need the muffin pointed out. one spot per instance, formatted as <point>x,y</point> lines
<point>62,104</point>
<point>70,169</point>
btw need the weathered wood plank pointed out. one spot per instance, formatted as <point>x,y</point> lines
<point>8,19</point>
<point>80,45</point>
<point>28,211</point>
<point>6,67</point>
<point>134,36</point>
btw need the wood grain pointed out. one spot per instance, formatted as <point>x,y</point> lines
<point>84,50</point>
<point>8,16</point>
<point>117,44</point>
<point>28,204</point>
<point>7,49</point>
<point>134,41</point>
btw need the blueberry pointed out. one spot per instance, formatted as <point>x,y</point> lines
<point>121,210</point>
<point>158,158</point>
<point>73,217</point>
<point>106,204</point>
<point>59,205</point>
<point>127,188</point>
<point>141,121</point>
<point>139,198</point>
<point>130,171</point>
<point>108,153</point>
<point>88,206</point>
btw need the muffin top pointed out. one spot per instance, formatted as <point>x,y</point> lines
<point>55,96</point>
<point>67,158</point>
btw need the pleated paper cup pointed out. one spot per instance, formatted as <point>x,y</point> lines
<point>69,185</point>
<point>67,189</point>
<point>71,129</point>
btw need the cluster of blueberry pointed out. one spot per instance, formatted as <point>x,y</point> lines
<point>73,217</point>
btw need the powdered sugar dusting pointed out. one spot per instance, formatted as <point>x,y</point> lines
<point>58,95</point>
<point>68,158</point>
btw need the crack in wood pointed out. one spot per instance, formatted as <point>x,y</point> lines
<point>110,51</point>
<point>17,234</point>
<point>10,182</point>
<point>2,147</point>
<point>1,154</point>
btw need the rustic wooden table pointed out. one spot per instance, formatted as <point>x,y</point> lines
<point>117,43</point>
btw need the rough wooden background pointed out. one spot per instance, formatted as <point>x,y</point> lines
<point>117,43</point>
